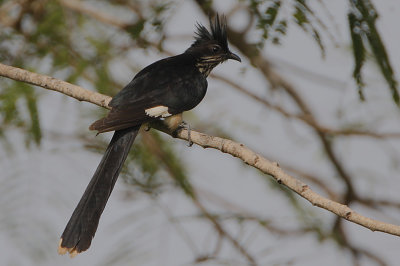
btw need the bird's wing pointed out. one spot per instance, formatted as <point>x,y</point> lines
<point>120,119</point>
<point>164,88</point>
<point>135,105</point>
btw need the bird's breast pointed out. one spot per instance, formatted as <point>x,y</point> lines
<point>187,94</point>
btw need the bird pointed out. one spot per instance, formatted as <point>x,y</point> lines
<point>161,91</point>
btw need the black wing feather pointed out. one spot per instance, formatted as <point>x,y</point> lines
<point>173,82</point>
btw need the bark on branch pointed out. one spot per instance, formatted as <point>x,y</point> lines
<point>54,84</point>
<point>224,145</point>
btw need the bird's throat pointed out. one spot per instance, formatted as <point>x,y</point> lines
<point>205,66</point>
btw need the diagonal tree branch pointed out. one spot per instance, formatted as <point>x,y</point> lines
<point>224,145</point>
<point>54,84</point>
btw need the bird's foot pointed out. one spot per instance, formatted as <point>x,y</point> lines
<point>185,126</point>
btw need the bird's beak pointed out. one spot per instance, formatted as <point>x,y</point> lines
<point>234,57</point>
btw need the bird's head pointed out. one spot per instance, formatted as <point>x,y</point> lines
<point>211,48</point>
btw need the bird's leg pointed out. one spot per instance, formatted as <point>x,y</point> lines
<point>187,126</point>
<point>176,123</point>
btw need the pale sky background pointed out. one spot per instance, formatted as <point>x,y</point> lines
<point>51,179</point>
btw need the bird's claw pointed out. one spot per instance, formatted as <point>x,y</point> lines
<point>187,126</point>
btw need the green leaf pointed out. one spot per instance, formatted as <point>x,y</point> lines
<point>300,17</point>
<point>365,15</point>
<point>382,58</point>
<point>266,19</point>
<point>358,52</point>
<point>272,12</point>
<point>303,15</point>
<point>136,29</point>
<point>281,27</point>
<point>15,100</point>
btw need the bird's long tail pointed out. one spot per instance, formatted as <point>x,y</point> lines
<point>81,228</point>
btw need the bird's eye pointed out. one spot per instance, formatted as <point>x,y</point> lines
<point>216,48</point>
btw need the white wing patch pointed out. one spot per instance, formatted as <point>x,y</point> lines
<point>158,111</point>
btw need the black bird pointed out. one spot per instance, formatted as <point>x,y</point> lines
<point>162,90</point>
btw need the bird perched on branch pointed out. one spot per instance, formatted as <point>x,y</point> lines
<point>161,91</point>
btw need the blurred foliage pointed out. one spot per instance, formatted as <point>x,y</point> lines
<point>272,19</point>
<point>46,36</point>
<point>274,25</point>
<point>271,28</point>
<point>152,158</point>
<point>362,18</point>
<point>17,100</point>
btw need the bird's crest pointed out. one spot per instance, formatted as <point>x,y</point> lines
<point>218,32</point>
